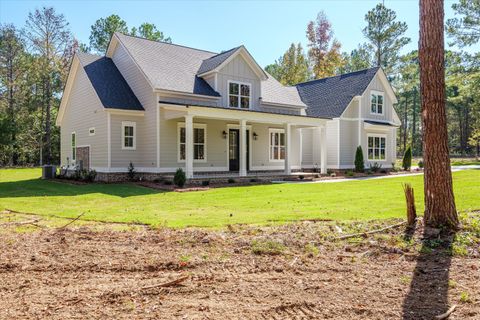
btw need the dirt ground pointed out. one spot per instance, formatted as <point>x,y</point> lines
<point>279,272</point>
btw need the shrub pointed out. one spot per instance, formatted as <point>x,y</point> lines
<point>231,180</point>
<point>407,159</point>
<point>420,164</point>
<point>168,182</point>
<point>394,168</point>
<point>359,163</point>
<point>253,180</point>
<point>131,171</point>
<point>349,173</point>
<point>301,177</point>
<point>89,175</point>
<point>375,167</point>
<point>180,178</point>
<point>205,183</point>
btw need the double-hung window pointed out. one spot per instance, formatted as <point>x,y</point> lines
<point>376,147</point>
<point>128,135</point>
<point>74,146</point>
<point>199,142</point>
<point>239,95</point>
<point>376,102</point>
<point>277,144</point>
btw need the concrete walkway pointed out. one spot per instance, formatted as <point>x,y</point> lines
<point>454,169</point>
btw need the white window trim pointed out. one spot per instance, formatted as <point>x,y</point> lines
<point>74,156</point>
<point>239,95</point>
<point>195,126</point>
<point>270,131</point>
<point>377,135</point>
<point>378,93</point>
<point>90,131</point>
<point>129,124</point>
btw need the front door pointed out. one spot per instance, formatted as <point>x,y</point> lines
<point>234,150</point>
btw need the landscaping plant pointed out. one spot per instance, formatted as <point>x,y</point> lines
<point>407,159</point>
<point>180,178</point>
<point>359,164</point>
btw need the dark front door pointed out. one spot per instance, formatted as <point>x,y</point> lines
<point>234,149</point>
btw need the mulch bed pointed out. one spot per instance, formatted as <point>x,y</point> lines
<point>201,274</point>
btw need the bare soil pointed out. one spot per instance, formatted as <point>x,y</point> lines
<point>279,272</point>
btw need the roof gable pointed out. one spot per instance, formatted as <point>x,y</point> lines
<point>329,97</point>
<point>109,84</point>
<point>217,62</point>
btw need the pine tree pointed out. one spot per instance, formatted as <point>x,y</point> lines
<point>386,36</point>
<point>440,207</point>
<point>359,163</point>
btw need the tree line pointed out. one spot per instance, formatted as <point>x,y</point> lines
<point>384,39</point>
<point>34,65</point>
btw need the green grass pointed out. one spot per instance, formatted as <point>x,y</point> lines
<point>21,190</point>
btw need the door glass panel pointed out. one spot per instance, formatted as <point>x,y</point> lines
<point>232,146</point>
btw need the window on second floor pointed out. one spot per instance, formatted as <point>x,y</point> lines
<point>376,103</point>
<point>239,95</point>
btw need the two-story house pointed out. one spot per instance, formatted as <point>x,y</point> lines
<point>164,106</point>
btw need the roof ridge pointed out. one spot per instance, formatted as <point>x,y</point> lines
<point>338,75</point>
<point>229,50</point>
<point>163,42</point>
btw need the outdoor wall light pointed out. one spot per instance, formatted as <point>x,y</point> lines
<point>224,134</point>
<point>255,136</point>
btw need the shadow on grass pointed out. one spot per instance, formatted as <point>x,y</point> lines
<point>428,293</point>
<point>43,188</point>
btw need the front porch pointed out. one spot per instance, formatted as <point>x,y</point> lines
<point>221,143</point>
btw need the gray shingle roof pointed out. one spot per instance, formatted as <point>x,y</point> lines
<point>169,66</point>
<point>213,62</point>
<point>108,82</point>
<point>329,97</point>
<point>275,92</point>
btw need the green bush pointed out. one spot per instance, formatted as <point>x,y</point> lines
<point>167,182</point>
<point>180,178</point>
<point>89,175</point>
<point>359,164</point>
<point>231,180</point>
<point>375,167</point>
<point>205,183</point>
<point>407,159</point>
<point>420,163</point>
<point>349,173</point>
<point>131,171</point>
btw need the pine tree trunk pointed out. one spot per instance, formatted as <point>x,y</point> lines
<point>414,126</point>
<point>439,199</point>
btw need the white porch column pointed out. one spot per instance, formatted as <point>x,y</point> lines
<point>189,146</point>
<point>243,148</point>
<point>323,150</point>
<point>288,140</point>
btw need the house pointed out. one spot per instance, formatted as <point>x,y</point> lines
<point>164,106</point>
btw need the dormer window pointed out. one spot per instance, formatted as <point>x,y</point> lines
<point>238,95</point>
<point>376,104</point>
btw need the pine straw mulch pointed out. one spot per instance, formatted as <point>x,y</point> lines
<point>293,271</point>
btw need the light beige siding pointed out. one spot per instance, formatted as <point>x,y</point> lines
<point>348,142</point>
<point>332,143</point>
<point>146,153</point>
<point>83,111</point>
<point>377,85</point>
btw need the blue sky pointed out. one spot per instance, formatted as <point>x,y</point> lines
<point>266,28</point>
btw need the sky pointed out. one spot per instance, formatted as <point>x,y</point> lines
<point>266,28</point>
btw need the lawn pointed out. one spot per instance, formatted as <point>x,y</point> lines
<point>21,190</point>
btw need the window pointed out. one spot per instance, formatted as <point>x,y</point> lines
<point>238,95</point>
<point>91,131</point>
<point>128,135</point>
<point>199,142</point>
<point>74,146</point>
<point>376,148</point>
<point>376,103</point>
<point>277,144</point>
